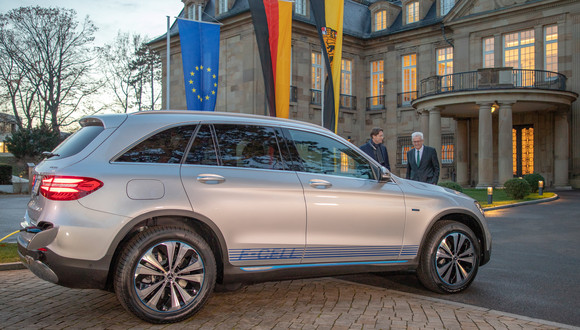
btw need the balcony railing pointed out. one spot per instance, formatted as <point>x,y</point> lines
<point>493,78</point>
<point>376,103</point>
<point>404,99</point>
<point>315,96</point>
<point>347,102</point>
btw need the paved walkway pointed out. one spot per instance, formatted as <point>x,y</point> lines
<point>325,303</point>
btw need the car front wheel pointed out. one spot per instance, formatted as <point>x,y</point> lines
<point>165,274</point>
<point>450,258</point>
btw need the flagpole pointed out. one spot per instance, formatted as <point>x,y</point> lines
<point>323,62</point>
<point>168,67</point>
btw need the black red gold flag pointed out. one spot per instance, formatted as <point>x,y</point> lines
<point>273,29</point>
<point>328,15</point>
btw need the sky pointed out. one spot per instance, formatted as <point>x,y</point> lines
<point>145,17</point>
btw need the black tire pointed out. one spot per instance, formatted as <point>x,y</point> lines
<point>449,259</point>
<point>165,274</point>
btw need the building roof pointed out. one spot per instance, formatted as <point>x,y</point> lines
<point>357,23</point>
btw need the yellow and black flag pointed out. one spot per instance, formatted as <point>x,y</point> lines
<point>328,15</point>
<point>273,29</point>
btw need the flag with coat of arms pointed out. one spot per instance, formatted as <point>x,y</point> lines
<point>200,43</point>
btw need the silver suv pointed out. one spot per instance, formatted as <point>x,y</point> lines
<point>162,206</point>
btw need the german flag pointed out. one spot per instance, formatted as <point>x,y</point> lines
<point>328,15</point>
<point>273,29</point>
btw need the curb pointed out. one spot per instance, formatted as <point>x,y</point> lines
<point>12,266</point>
<point>537,201</point>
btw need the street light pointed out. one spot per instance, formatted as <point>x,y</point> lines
<point>489,195</point>
<point>540,188</point>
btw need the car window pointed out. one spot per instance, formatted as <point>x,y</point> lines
<point>321,154</point>
<point>166,147</point>
<point>248,146</point>
<point>77,141</point>
<point>202,150</point>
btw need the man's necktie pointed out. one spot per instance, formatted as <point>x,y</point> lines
<point>418,158</point>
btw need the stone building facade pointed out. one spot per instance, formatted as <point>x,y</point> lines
<point>492,84</point>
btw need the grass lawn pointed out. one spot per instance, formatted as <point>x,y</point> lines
<point>8,253</point>
<point>500,197</point>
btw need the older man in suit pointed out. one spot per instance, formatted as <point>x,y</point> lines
<point>422,161</point>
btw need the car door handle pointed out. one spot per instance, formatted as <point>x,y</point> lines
<point>210,178</point>
<point>320,184</point>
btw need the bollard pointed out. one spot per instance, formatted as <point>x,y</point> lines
<point>489,195</point>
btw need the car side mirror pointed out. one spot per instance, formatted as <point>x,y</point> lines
<point>385,175</point>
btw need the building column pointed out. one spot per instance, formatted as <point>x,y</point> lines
<point>435,131</point>
<point>461,153</point>
<point>485,147</point>
<point>561,146</point>
<point>425,125</point>
<point>505,144</point>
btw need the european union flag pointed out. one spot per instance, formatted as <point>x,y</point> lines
<point>200,49</point>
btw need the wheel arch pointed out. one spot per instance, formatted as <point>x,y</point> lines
<point>470,220</point>
<point>179,218</point>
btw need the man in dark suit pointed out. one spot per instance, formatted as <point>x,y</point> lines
<point>376,149</point>
<point>422,161</point>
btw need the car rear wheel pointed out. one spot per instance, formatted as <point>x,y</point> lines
<point>165,274</point>
<point>450,258</point>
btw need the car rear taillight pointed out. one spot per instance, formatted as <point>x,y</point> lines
<point>68,188</point>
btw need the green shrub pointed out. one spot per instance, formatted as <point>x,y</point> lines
<point>533,180</point>
<point>451,185</point>
<point>517,188</point>
<point>5,174</point>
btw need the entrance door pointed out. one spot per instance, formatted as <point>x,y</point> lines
<point>523,150</point>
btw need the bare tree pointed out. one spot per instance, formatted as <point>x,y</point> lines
<point>46,63</point>
<point>130,69</point>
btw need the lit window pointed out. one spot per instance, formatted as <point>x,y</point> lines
<point>316,93</point>
<point>404,144</point>
<point>519,50</point>
<point>446,6</point>
<point>413,12</point>
<point>316,71</point>
<point>346,78</point>
<point>380,20</point>
<point>488,52</point>
<point>409,79</point>
<point>551,49</point>
<point>377,88</point>
<point>346,99</point>
<point>447,149</point>
<point>445,67</point>
<point>519,54</point>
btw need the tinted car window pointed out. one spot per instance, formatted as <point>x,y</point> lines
<point>202,150</point>
<point>321,154</point>
<point>248,146</point>
<point>77,142</point>
<point>164,147</point>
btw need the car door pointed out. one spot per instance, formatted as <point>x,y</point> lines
<point>235,176</point>
<point>351,216</point>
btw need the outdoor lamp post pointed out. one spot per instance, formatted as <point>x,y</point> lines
<point>540,188</point>
<point>489,195</point>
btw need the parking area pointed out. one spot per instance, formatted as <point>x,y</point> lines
<point>27,302</point>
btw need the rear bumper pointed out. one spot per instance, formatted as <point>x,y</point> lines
<point>53,268</point>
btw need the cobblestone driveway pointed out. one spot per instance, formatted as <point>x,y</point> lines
<point>326,303</point>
